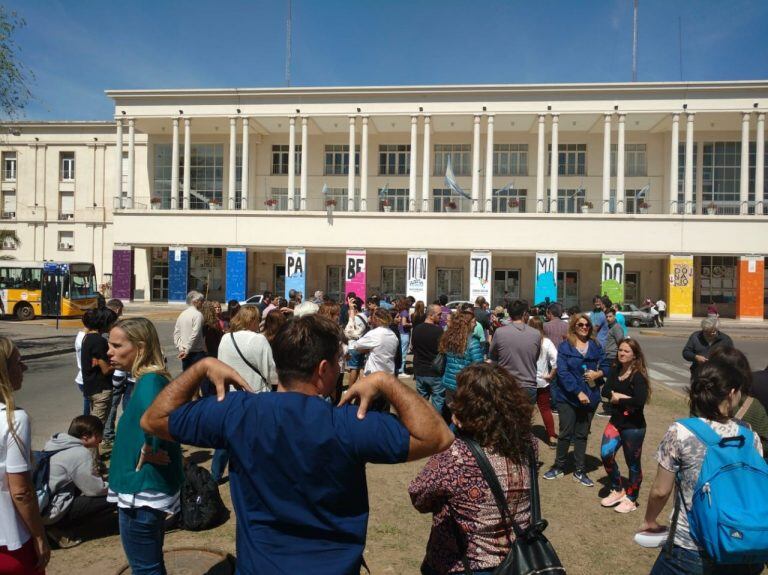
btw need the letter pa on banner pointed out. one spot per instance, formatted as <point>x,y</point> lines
<point>546,277</point>
<point>480,275</point>
<point>354,273</point>
<point>612,277</point>
<point>416,280</point>
<point>295,271</point>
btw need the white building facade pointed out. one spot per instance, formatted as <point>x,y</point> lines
<point>208,189</point>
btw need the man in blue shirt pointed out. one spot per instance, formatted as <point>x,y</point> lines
<point>297,468</point>
<point>599,323</point>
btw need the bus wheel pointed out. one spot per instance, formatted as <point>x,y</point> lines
<point>24,312</point>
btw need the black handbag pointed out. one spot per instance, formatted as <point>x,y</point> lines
<point>438,364</point>
<point>531,553</point>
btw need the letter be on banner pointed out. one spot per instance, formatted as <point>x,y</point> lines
<point>295,265</point>
<point>480,275</point>
<point>546,277</point>
<point>416,281</point>
<point>354,272</point>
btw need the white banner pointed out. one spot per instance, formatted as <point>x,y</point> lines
<point>295,271</point>
<point>480,275</point>
<point>416,280</point>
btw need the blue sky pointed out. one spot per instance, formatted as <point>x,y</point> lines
<point>79,48</point>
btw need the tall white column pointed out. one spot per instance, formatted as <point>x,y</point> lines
<point>476,165</point>
<point>303,182</point>
<point>413,164</point>
<point>292,163</point>
<point>187,160</point>
<point>607,163</point>
<point>744,172</point>
<point>673,164</point>
<point>620,203</point>
<point>230,205</point>
<point>426,169</point>
<point>363,167</point>
<point>760,164</point>
<point>131,162</point>
<point>245,172</point>
<point>554,165</point>
<point>351,172</point>
<point>541,155</point>
<point>176,200</point>
<point>118,163</point>
<point>489,166</point>
<point>689,163</point>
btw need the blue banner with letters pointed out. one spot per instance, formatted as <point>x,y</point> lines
<point>237,274</point>
<point>178,273</point>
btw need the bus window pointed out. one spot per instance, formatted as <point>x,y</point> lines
<point>11,278</point>
<point>82,282</point>
<point>32,278</point>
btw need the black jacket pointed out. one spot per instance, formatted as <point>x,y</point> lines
<point>698,345</point>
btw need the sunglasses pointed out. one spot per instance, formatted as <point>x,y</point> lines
<point>582,325</point>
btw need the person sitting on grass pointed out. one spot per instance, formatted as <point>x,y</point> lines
<point>297,463</point>
<point>77,491</point>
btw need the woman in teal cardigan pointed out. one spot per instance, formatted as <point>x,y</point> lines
<point>145,472</point>
<point>460,350</point>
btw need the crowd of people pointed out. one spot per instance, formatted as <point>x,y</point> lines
<point>296,397</point>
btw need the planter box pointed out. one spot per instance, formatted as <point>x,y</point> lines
<point>585,209</point>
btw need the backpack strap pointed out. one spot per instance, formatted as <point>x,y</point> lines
<point>704,432</point>
<point>744,408</point>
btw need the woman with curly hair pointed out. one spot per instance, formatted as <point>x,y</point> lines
<point>490,408</point>
<point>212,328</point>
<point>460,350</point>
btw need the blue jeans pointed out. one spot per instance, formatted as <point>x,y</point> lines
<point>191,359</point>
<point>405,341</point>
<point>86,401</point>
<point>684,562</point>
<point>219,464</point>
<point>142,531</point>
<point>431,389</point>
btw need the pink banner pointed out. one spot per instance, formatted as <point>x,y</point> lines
<point>354,272</point>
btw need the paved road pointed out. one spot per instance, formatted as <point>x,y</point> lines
<point>50,397</point>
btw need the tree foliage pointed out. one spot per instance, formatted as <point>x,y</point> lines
<point>14,76</point>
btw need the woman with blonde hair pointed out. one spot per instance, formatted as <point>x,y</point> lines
<point>23,545</point>
<point>145,473</point>
<point>459,349</point>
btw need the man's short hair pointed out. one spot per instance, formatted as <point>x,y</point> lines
<point>373,300</point>
<point>84,425</point>
<point>556,309</point>
<point>302,343</point>
<point>606,301</point>
<point>115,305</point>
<point>443,299</point>
<point>194,296</point>
<point>267,295</point>
<point>709,323</point>
<point>305,308</point>
<point>435,309</point>
<point>518,308</point>
<point>351,294</point>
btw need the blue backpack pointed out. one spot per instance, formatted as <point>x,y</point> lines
<point>728,517</point>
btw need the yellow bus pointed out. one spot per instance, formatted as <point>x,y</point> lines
<point>30,289</point>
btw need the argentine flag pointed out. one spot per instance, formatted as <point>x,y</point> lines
<point>450,181</point>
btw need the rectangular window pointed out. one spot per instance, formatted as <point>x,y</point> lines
<point>632,201</point>
<point>337,159</point>
<point>66,205</point>
<point>280,159</point>
<point>67,166</point>
<point>280,196</point>
<point>9,205</point>
<point>66,241</point>
<point>569,201</point>
<point>9,166</point>
<point>635,160</point>
<point>393,200</point>
<point>340,196</point>
<point>506,286</point>
<point>718,279</point>
<point>393,282</point>
<point>571,159</point>
<point>206,171</point>
<point>334,285</point>
<point>510,159</point>
<point>239,176</point>
<point>568,288</point>
<point>394,159</point>
<point>762,208</point>
<point>9,243</point>
<point>632,287</point>
<point>446,200</point>
<point>509,201</point>
<point>450,282</point>
<point>461,162</point>
<point>722,177</point>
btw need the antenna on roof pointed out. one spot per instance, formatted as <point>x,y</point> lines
<point>288,47</point>
<point>634,44</point>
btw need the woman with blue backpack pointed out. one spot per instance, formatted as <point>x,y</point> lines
<point>720,520</point>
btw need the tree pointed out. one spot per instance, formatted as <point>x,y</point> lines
<point>14,76</point>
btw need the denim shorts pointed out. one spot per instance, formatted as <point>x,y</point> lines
<point>356,360</point>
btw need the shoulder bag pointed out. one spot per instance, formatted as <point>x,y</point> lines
<point>248,363</point>
<point>531,552</point>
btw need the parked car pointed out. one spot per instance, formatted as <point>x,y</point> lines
<point>636,316</point>
<point>254,299</point>
<point>456,304</point>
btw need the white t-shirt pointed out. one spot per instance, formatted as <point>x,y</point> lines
<point>661,305</point>
<point>382,346</point>
<point>14,458</point>
<point>546,362</point>
<point>256,349</point>
<point>78,348</point>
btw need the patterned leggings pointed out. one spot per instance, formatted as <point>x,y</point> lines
<point>631,440</point>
